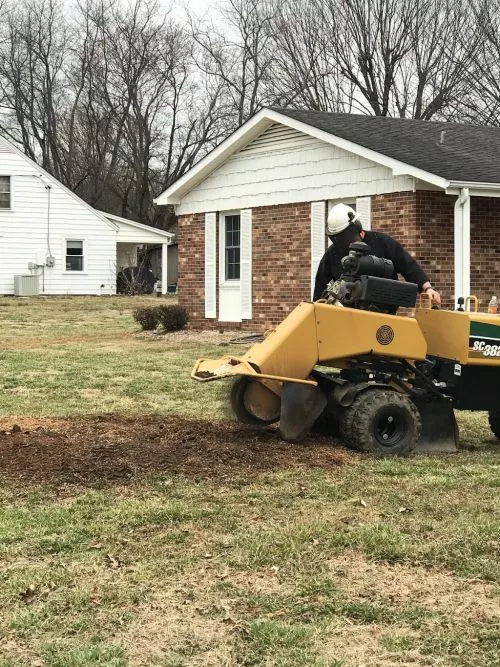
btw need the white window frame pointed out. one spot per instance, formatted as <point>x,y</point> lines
<point>11,186</point>
<point>222,249</point>
<point>84,255</point>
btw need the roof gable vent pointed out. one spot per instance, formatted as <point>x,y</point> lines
<point>277,137</point>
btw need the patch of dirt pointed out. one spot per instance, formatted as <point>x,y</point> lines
<point>460,602</point>
<point>171,629</point>
<point>358,645</point>
<point>114,447</point>
<point>403,585</point>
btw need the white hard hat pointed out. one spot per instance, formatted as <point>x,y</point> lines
<point>340,217</point>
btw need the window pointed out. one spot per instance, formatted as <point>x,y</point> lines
<point>4,192</point>
<point>232,246</point>
<point>74,255</point>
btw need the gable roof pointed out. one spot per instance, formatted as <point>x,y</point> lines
<point>8,147</point>
<point>463,153</point>
<point>125,222</point>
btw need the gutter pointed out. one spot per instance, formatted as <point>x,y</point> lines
<point>464,196</point>
<point>473,185</point>
<point>462,244</point>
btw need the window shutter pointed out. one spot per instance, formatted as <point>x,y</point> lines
<point>210,265</point>
<point>318,237</point>
<point>364,209</point>
<point>246,264</point>
<point>222,249</point>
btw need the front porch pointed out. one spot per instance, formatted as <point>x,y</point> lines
<point>130,236</point>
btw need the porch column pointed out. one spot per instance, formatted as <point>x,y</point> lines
<point>462,245</point>
<point>164,267</point>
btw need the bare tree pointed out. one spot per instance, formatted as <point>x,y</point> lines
<point>306,72</point>
<point>109,101</point>
<point>434,76</point>
<point>407,58</point>
<point>239,55</point>
<point>369,39</point>
<point>481,101</point>
<point>119,100</point>
<point>32,51</point>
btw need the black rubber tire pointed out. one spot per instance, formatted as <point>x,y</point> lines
<point>381,422</point>
<point>494,419</point>
<point>240,386</point>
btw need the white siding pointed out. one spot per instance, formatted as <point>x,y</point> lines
<point>24,238</point>
<point>285,166</point>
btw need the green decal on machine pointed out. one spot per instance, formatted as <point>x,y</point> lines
<point>483,330</point>
<point>484,340</point>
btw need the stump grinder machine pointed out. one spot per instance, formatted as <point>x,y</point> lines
<point>349,366</point>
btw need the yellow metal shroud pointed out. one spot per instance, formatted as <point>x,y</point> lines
<point>319,333</point>
<point>330,335</point>
<point>470,338</point>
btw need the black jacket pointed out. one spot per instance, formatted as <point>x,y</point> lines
<point>381,245</point>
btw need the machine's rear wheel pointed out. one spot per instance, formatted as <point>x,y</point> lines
<point>254,403</point>
<point>494,419</point>
<point>381,421</point>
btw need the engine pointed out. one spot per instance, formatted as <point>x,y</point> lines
<point>367,283</point>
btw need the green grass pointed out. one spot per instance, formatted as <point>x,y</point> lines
<point>287,568</point>
<point>58,359</point>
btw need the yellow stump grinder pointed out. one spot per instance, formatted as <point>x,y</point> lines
<point>386,383</point>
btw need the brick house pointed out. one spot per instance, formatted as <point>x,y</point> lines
<point>252,214</point>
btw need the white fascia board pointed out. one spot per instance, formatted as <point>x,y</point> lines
<point>234,143</point>
<point>139,225</point>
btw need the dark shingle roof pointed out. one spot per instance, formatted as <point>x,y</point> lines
<point>468,153</point>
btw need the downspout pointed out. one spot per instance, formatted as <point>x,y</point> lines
<point>462,244</point>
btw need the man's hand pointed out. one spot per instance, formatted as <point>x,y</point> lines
<point>435,296</point>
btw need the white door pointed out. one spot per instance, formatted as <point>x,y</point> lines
<point>230,267</point>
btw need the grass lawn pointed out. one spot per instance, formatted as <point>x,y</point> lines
<point>364,562</point>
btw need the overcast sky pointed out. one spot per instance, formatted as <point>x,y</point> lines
<point>198,7</point>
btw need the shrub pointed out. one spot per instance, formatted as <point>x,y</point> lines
<point>172,318</point>
<point>148,318</point>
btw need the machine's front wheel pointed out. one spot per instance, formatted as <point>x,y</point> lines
<point>494,419</point>
<point>381,421</point>
<point>254,403</point>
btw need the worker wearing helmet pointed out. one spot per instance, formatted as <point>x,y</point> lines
<point>344,228</point>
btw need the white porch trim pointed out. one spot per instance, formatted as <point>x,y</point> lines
<point>136,230</point>
<point>164,267</point>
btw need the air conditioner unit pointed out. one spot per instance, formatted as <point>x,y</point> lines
<point>26,285</point>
